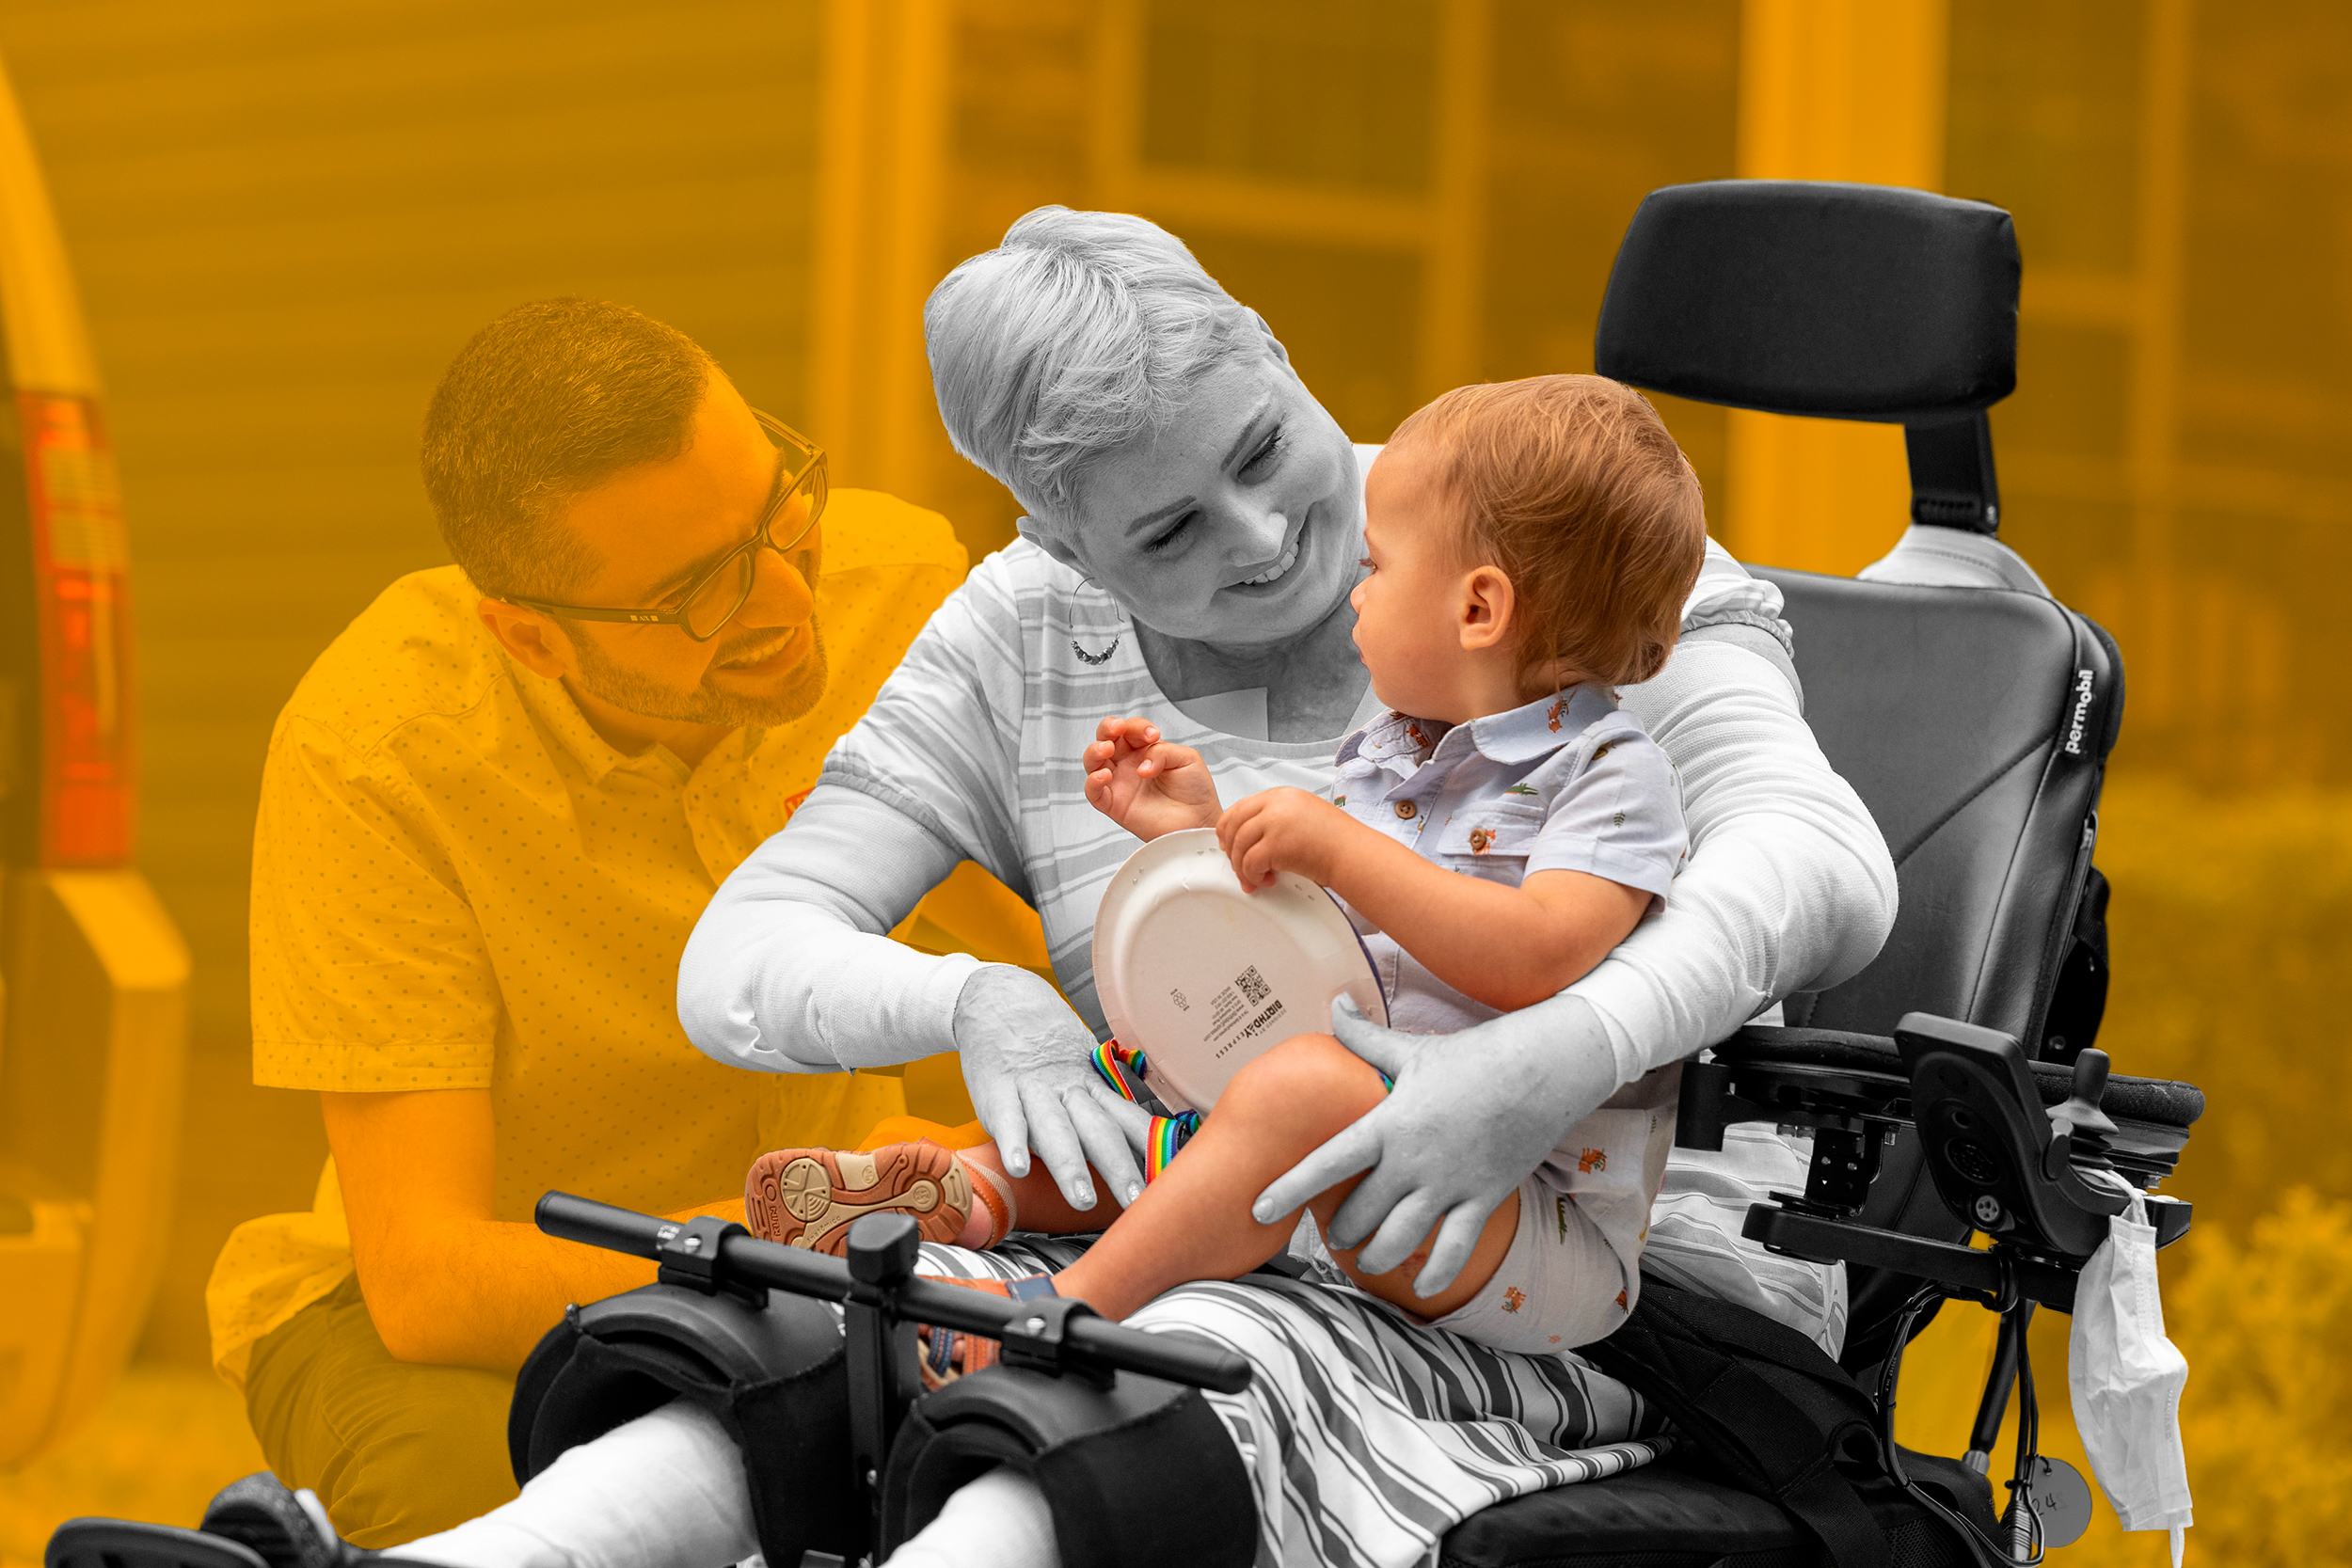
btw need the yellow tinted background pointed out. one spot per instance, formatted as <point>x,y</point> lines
<point>286,216</point>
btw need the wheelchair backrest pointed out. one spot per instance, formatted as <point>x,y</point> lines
<point>1974,722</point>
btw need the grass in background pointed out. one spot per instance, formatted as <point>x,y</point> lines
<point>2265,1321</point>
<point>161,1442</point>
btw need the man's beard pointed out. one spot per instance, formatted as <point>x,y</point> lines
<point>632,693</point>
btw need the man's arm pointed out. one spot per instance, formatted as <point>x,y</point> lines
<point>445,1283</point>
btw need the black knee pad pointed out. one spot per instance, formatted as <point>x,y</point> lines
<point>773,1375</point>
<point>1137,1472</point>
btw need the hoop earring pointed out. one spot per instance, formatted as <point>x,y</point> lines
<point>1109,648</point>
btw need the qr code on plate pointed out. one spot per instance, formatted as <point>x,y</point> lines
<point>1253,986</point>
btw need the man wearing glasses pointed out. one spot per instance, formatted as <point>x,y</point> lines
<point>490,815</point>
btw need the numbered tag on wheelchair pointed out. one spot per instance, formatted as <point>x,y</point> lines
<point>2061,1500</point>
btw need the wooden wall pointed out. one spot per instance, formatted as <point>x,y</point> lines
<point>285,218</point>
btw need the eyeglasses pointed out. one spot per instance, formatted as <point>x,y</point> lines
<point>711,600</point>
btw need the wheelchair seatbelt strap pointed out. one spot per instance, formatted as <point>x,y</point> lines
<point>1745,1390</point>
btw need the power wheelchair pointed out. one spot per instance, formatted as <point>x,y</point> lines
<point>1951,1088</point>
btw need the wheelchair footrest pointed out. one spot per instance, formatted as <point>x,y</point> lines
<point>1825,1239</point>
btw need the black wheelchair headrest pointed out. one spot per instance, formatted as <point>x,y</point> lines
<point>1851,302</point>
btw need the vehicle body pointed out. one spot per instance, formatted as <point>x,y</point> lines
<point>93,974</point>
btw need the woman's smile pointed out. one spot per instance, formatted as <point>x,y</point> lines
<point>1290,559</point>
<point>1292,547</point>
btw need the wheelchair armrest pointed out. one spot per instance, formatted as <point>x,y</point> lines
<point>1828,1077</point>
<point>1793,1077</point>
<point>1962,1270</point>
<point>2170,1216</point>
<point>1998,1134</point>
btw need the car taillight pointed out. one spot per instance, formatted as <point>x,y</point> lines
<point>80,580</point>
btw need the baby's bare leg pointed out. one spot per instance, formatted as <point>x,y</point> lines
<point>1194,1222</point>
<point>1038,1201</point>
<point>1396,1286</point>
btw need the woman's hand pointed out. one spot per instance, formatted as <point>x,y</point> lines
<point>1470,1115</point>
<point>1148,785</point>
<point>1028,1064</point>
<point>1285,830</point>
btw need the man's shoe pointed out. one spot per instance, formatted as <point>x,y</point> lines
<point>253,1523</point>
<point>282,1528</point>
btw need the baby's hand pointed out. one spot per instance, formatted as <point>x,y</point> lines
<point>1148,785</point>
<point>1283,830</point>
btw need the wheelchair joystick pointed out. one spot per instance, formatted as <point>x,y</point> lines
<point>2079,1130</point>
<point>2080,1115</point>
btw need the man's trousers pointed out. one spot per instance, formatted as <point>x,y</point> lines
<point>394,1450</point>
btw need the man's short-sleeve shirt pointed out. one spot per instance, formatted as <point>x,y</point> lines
<point>457,883</point>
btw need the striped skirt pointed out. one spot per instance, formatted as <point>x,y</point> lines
<point>1366,1434</point>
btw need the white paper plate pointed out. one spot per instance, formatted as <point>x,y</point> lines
<point>1201,974</point>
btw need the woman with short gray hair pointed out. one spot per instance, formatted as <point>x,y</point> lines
<point>1193,532</point>
<point>1081,332</point>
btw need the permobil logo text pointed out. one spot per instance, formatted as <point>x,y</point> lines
<point>2082,706</point>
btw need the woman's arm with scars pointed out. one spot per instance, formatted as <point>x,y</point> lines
<point>789,970</point>
<point>1789,885</point>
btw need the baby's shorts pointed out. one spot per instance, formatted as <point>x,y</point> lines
<point>1574,1270</point>
<point>1561,1284</point>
